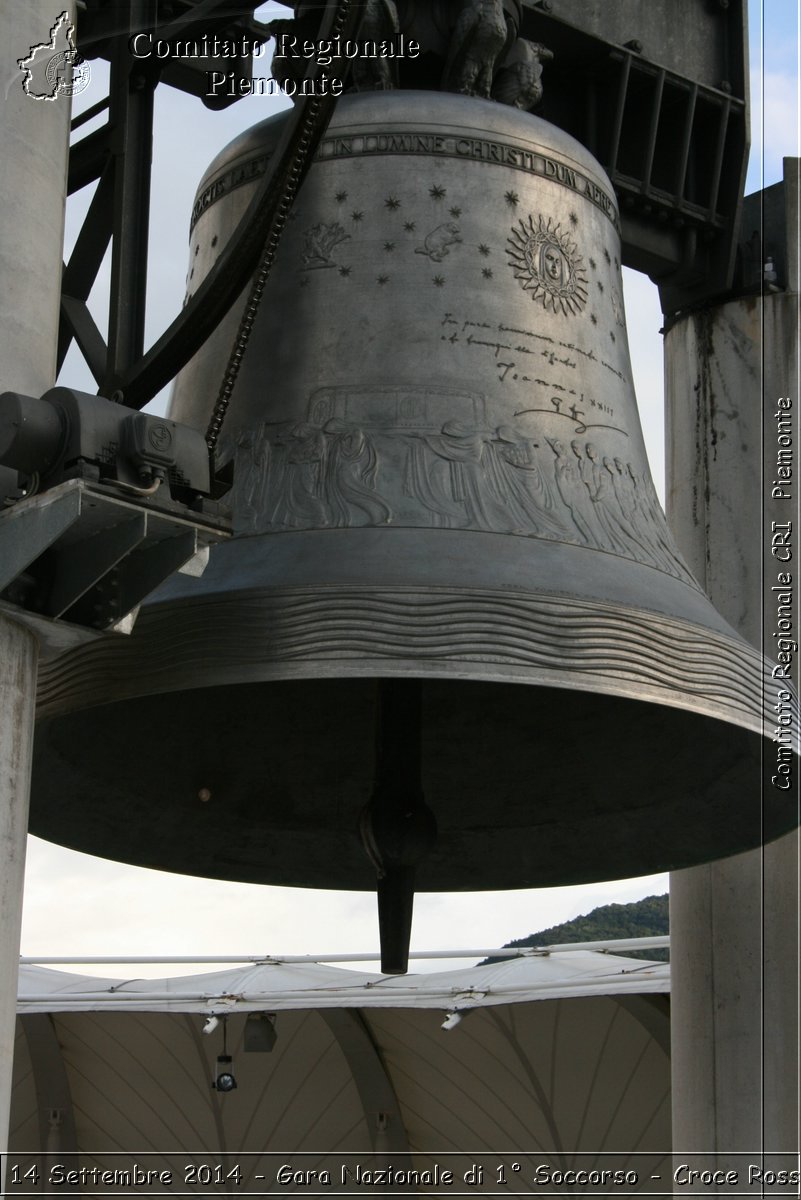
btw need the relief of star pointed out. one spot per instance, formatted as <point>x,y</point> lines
<point>484,249</point>
<point>600,286</point>
<point>356,216</point>
<point>382,279</point>
<point>512,199</point>
<point>392,203</point>
<point>573,219</point>
<point>606,256</point>
<point>341,197</point>
<point>456,211</point>
<point>438,281</point>
<point>409,226</point>
<point>487,272</point>
<point>593,263</point>
<point>389,247</point>
<point>437,192</point>
<point>612,336</point>
<point>304,282</point>
<point>593,318</point>
<point>345,271</point>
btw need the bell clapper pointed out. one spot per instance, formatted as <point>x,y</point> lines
<point>397,826</point>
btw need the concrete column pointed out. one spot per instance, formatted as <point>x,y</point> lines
<point>732,412</point>
<point>18,656</point>
<point>33,151</point>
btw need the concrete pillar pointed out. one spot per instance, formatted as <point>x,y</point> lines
<point>18,655</point>
<point>732,413</point>
<point>33,151</point>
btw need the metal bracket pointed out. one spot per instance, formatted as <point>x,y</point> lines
<point>77,560</point>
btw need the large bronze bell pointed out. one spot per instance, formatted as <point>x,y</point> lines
<point>453,644</point>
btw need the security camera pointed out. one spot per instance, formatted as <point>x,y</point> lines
<point>224,1079</point>
<point>211,1024</point>
<point>452,1020</point>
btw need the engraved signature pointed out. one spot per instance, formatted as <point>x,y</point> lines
<point>573,414</point>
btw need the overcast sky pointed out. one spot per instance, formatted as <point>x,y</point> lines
<point>78,905</point>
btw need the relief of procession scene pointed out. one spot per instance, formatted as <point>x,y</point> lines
<point>431,458</point>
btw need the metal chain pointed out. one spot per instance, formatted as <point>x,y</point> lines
<point>295,172</point>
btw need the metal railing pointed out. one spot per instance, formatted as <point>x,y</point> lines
<point>608,946</point>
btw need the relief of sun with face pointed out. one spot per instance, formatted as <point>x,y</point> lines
<point>546,263</point>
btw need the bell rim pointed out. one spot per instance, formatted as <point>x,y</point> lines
<point>361,625</point>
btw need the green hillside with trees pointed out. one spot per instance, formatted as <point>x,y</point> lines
<point>643,918</point>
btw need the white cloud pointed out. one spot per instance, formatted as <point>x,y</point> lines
<point>75,905</point>
<point>643,323</point>
<point>774,126</point>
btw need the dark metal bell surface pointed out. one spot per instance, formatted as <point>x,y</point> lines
<point>440,477</point>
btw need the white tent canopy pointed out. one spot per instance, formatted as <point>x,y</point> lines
<point>277,985</point>
<point>556,1055</point>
